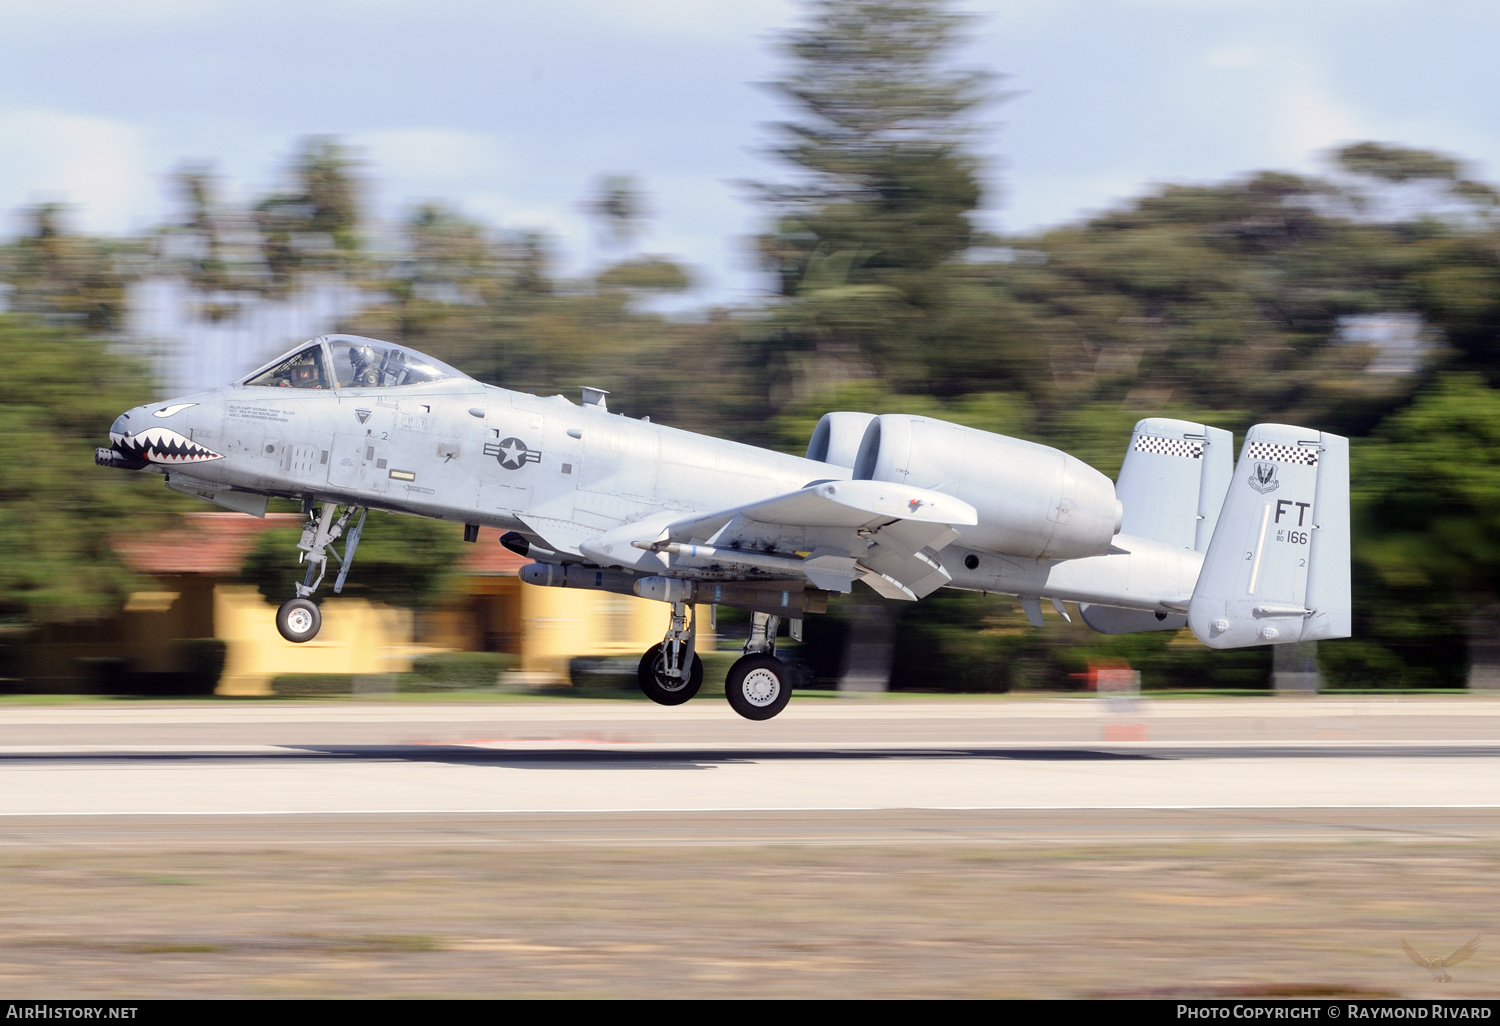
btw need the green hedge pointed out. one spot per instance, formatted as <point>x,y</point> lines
<point>456,671</point>
<point>303,685</point>
<point>445,671</point>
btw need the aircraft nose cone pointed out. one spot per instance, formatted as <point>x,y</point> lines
<point>144,434</point>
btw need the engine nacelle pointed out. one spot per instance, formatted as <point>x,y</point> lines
<point>1032,500</point>
<point>836,438</point>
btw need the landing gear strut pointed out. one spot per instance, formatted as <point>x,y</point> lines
<point>671,673</point>
<point>298,619</point>
<point>758,685</point>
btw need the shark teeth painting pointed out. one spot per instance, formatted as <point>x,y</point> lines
<point>164,446</point>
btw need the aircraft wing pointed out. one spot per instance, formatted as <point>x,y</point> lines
<point>560,535</point>
<point>833,533</point>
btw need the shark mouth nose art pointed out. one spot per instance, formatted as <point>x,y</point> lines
<point>161,445</point>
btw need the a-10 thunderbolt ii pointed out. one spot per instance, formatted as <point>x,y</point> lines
<point>1248,553</point>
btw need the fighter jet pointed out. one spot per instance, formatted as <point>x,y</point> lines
<point>1244,553</point>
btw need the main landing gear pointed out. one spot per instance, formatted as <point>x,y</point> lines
<point>758,685</point>
<point>298,619</point>
<point>671,673</point>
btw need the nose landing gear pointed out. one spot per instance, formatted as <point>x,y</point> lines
<point>299,619</point>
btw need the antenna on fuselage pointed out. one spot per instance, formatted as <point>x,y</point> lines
<point>595,397</point>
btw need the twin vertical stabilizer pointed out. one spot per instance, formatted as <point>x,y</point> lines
<point>1277,569</point>
<point>1173,481</point>
<point>1171,486</point>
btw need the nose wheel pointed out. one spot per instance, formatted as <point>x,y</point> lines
<point>298,620</point>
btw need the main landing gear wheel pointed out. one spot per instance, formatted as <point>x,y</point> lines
<point>664,690</point>
<point>758,686</point>
<point>298,620</point>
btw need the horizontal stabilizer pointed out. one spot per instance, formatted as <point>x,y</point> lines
<point>1277,570</point>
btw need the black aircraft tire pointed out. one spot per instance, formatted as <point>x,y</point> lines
<point>298,620</point>
<point>664,690</point>
<point>758,686</point>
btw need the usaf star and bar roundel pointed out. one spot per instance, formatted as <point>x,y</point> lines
<point>512,453</point>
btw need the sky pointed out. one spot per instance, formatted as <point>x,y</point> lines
<point>511,111</point>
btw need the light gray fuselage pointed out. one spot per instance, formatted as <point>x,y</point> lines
<point>448,450</point>
<point>422,450</point>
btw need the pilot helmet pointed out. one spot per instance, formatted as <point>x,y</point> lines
<point>361,356</point>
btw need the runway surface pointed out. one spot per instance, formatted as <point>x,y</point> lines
<point>992,771</point>
<point>863,848</point>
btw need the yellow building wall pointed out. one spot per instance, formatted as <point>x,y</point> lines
<point>559,624</point>
<point>357,637</point>
<point>549,627</point>
<point>485,618</point>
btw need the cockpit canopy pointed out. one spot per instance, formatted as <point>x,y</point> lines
<point>350,361</point>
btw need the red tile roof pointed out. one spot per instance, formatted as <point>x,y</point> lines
<point>488,558</point>
<point>215,544</point>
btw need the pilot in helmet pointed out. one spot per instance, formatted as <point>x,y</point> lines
<point>362,359</point>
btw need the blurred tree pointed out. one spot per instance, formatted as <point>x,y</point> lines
<point>326,172</point>
<point>315,226</point>
<point>488,302</point>
<point>1229,298</point>
<point>1427,550</point>
<point>1397,163</point>
<point>58,396</point>
<point>645,275</point>
<point>202,224</point>
<point>1450,188</point>
<point>1446,248</point>
<point>883,188</point>
<point>618,207</point>
<point>62,277</point>
<point>214,246</point>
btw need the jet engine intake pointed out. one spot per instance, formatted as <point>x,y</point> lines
<point>1033,501</point>
<point>836,438</point>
